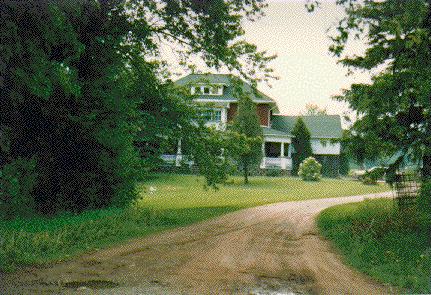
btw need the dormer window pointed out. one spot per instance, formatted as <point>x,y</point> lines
<point>217,90</point>
<point>207,90</point>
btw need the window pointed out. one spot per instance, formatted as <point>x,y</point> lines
<point>195,90</point>
<point>207,90</point>
<point>217,116</point>
<point>207,115</point>
<point>216,90</point>
<point>324,142</point>
<point>211,115</point>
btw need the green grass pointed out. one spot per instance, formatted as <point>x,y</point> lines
<point>177,201</point>
<point>174,191</point>
<point>381,241</point>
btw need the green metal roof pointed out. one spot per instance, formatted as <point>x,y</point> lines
<point>269,131</point>
<point>321,126</point>
<point>222,79</point>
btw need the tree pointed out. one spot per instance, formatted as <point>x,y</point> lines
<point>63,109</point>
<point>344,154</point>
<point>358,148</point>
<point>79,82</point>
<point>208,148</point>
<point>248,140</point>
<point>314,110</point>
<point>394,110</point>
<point>301,144</point>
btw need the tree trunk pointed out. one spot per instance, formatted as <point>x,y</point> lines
<point>426,168</point>
<point>426,159</point>
<point>245,170</point>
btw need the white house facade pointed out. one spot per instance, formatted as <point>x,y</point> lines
<point>215,91</point>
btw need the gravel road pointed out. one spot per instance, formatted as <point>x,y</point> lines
<point>272,249</point>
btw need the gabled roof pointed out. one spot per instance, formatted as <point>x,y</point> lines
<point>208,78</point>
<point>227,93</point>
<point>320,126</point>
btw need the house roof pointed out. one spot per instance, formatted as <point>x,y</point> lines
<point>227,93</point>
<point>320,126</point>
<point>269,131</point>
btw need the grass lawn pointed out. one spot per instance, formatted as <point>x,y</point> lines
<point>180,191</point>
<point>380,241</point>
<point>178,200</point>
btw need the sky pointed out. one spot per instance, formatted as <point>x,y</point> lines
<point>307,72</point>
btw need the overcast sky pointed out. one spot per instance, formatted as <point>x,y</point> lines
<point>307,71</point>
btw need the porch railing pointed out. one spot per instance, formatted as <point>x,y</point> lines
<point>280,162</point>
<point>171,159</point>
<point>273,162</point>
<point>267,162</point>
<point>177,160</point>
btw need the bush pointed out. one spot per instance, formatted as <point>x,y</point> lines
<point>371,177</point>
<point>368,180</point>
<point>377,173</point>
<point>310,169</point>
<point>17,181</point>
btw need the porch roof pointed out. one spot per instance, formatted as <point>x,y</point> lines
<point>272,132</point>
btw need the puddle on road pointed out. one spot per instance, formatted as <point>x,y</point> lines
<point>273,293</point>
<point>91,284</point>
<point>289,285</point>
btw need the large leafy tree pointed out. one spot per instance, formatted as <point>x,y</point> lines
<point>394,110</point>
<point>301,143</point>
<point>79,81</point>
<point>210,149</point>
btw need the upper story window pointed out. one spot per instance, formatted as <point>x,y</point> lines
<point>207,90</point>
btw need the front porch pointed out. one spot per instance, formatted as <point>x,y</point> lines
<point>277,154</point>
<point>276,151</point>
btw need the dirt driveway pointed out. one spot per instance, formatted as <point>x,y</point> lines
<point>271,249</point>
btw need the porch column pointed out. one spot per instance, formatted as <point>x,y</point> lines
<point>262,164</point>
<point>282,150</point>
<point>179,157</point>
<point>289,151</point>
<point>282,158</point>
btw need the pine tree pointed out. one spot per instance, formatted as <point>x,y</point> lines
<point>301,144</point>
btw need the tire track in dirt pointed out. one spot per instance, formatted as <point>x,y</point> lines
<point>272,249</point>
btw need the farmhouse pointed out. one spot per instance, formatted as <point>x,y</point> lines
<point>216,90</point>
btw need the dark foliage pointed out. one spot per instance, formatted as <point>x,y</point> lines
<point>301,144</point>
<point>82,85</point>
<point>248,141</point>
<point>393,110</point>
